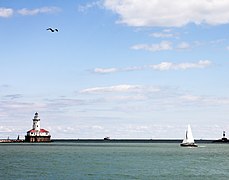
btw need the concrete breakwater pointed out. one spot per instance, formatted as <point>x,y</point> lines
<point>10,141</point>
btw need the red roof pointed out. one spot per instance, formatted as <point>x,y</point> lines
<point>41,130</point>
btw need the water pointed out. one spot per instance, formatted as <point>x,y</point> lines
<point>113,161</point>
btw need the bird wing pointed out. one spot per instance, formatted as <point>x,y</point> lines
<point>50,29</point>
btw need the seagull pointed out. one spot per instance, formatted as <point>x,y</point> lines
<point>52,30</point>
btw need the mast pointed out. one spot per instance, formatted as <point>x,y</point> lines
<point>186,137</point>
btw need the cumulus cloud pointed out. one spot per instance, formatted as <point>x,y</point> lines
<point>162,46</point>
<point>6,12</point>
<point>36,11</point>
<point>166,13</point>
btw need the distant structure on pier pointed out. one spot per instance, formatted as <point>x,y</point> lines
<point>36,134</point>
<point>223,139</point>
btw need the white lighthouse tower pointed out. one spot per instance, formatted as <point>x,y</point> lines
<point>36,134</point>
<point>36,122</point>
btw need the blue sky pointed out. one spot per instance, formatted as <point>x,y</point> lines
<point>118,68</point>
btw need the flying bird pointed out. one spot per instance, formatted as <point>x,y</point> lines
<point>52,30</point>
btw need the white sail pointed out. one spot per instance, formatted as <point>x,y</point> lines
<point>188,140</point>
<point>188,136</point>
<point>185,138</point>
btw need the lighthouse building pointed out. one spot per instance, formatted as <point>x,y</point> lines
<point>36,134</point>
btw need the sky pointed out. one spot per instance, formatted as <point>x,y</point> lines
<point>125,69</point>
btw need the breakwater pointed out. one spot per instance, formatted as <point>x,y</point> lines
<point>117,141</point>
<point>128,140</point>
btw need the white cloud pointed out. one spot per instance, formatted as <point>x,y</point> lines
<point>6,12</point>
<point>162,46</point>
<point>162,35</point>
<point>217,41</point>
<point>36,11</point>
<point>167,30</point>
<point>125,98</point>
<point>13,96</point>
<point>114,70</point>
<point>182,66</point>
<point>204,100</point>
<point>6,129</point>
<point>20,106</point>
<point>189,97</point>
<point>150,98</point>
<point>85,7</point>
<point>168,13</point>
<point>97,127</point>
<point>161,67</point>
<point>183,45</point>
<point>117,88</point>
<point>105,70</point>
<point>121,93</point>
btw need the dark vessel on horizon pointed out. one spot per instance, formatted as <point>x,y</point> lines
<point>107,138</point>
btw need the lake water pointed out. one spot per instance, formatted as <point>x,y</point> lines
<point>113,161</point>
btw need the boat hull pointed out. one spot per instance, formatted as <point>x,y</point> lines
<point>188,145</point>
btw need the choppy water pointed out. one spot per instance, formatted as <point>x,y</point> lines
<point>113,161</point>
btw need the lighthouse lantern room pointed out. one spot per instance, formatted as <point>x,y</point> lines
<point>36,134</point>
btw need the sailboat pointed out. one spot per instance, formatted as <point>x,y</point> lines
<point>188,140</point>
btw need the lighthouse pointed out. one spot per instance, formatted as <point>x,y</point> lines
<point>36,123</point>
<point>36,134</point>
